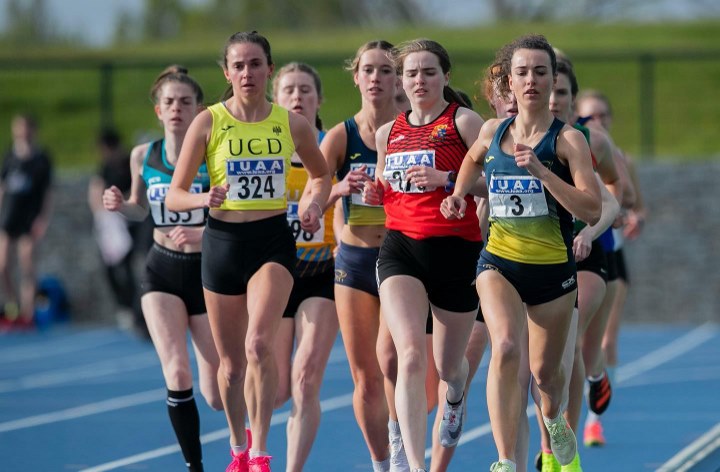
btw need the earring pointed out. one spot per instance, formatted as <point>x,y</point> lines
<point>228,81</point>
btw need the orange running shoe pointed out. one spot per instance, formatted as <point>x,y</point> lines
<point>593,434</point>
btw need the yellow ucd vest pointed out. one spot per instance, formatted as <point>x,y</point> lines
<point>254,158</point>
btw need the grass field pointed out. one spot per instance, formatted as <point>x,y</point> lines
<point>62,86</point>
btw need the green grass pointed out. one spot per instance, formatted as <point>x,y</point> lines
<point>62,86</point>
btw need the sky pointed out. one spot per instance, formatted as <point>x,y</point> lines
<point>94,20</point>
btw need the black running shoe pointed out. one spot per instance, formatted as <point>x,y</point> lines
<point>599,394</point>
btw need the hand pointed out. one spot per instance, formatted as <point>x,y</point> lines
<point>184,235</point>
<point>525,158</point>
<point>582,245</point>
<point>634,223</point>
<point>424,176</point>
<point>216,196</point>
<point>373,193</point>
<point>39,228</point>
<point>112,199</point>
<point>310,220</point>
<point>453,207</point>
<point>353,182</point>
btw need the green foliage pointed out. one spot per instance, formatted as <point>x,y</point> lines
<point>62,85</point>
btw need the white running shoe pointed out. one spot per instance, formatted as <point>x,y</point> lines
<point>398,459</point>
<point>562,439</point>
<point>451,424</point>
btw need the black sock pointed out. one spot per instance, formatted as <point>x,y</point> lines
<point>185,420</point>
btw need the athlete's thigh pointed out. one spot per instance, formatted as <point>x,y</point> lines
<point>228,318</point>
<point>167,322</point>
<point>451,333</point>
<point>316,328</point>
<point>359,321</point>
<point>405,309</point>
<point>268,293</point>
<point>548,328</point>
<point>502,308</point>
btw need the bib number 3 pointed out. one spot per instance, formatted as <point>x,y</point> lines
<point>516,197</point>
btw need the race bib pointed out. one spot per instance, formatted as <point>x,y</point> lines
<point>255,179</point>
<point>516,196</point>
<point>397,164</point>
<point>164,217</point>
<point>302,236</point>
<point>356,198</point>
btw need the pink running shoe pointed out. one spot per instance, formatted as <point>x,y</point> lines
<point>260,464</point>
<point>240,461</point>
<point>593,433</point>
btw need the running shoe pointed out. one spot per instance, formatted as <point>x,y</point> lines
<point>599,394</point>
<point>548,463</point>
<point>538,461</point>
<point>259,464</point>
<point>574,466</point>
<point>562,439</point>
<point>501,467</point>
<point>398,458</point>
<point>593,434</point>
<point>451,424</point>
<point>240,461</point>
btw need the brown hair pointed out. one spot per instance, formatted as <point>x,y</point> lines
<point>175,73</point>
<point>300,67</point>
<point>244,37</point>
<point>422,44</point>
<point>353,64</point>
<point>597,95</point>
<point>500,69</point>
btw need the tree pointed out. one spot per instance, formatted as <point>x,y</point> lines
<point>28,23</point>
<point>162,18</point>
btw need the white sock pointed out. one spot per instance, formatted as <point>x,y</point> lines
<point>239,449</point>
<point>257,453</point>
<point>592,418</point>
<point>394,427</point>
<point>381,466</point>
<point>595,378</point>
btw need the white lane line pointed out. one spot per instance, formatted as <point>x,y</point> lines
<point>649,361</point>
<point>110,404</point>
<point>89,371</point>
<point>46,348</point>
<point>337,355</point>
<point>330,404</point>
<point>694,453</point>
<point>676,348</point>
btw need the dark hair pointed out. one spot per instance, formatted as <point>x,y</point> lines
<point>175,73</point>
<point>467,101</point>
<point>500,69</point>
<point>309,70</point>
<point>353,64</point>
<point>422,44</point>
<point>29,119</point>
<point>566,68</point>
<point>109,137</point>
<point>244,37</point>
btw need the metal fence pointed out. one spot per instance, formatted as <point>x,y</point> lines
<point>665,102</point>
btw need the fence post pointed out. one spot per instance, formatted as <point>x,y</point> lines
<point>647,105</point>
<point>106,96</point>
